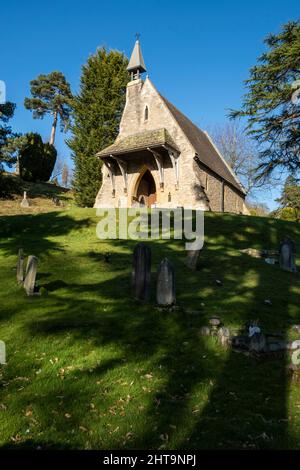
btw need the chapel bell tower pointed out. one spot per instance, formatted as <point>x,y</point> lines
<point>136,64</point>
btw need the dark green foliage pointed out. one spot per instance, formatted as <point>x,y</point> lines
<point>36,159</point>
<point>271,104</point>
<point>6,158</point>
<point>97,112</point>
<point>51,94</point>
<point>6,113</point>
<point>289,200</point>
<point>8,186</point>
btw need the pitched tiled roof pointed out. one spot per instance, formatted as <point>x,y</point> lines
<point>206,151</point>
<point>135,142</point>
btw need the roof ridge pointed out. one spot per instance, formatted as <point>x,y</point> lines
<point>198,138</point>
<point>226,163</point>
<point>180,112</point>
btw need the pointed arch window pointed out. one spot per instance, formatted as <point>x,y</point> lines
<point>146,114</point>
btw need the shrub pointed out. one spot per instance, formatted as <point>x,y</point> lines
<point>37,159</point>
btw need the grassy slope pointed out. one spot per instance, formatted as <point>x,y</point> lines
<point>88,367</point>
<point>39,194</point>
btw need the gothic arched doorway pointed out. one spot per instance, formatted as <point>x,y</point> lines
<point>146,190</point>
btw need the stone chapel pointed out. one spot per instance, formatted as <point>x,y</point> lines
<point>161,159</point>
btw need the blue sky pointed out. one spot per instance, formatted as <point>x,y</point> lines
<point>197,53</point>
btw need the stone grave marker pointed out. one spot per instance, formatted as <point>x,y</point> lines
<point>287,255</point>
<point>2,353</point>
<point>192,257</point>
<point>165,284</point>
<point>25,202</point>
<point>30,276</point>
<point>141,272</point>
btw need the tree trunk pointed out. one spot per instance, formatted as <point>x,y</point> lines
<point>53,130</point>
<point>18,166</point>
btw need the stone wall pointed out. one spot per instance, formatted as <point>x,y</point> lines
<point>232,201</point>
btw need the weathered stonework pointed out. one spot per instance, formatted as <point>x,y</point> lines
<point>197,187</point>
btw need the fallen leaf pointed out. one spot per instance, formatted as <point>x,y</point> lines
<point>83,429</point>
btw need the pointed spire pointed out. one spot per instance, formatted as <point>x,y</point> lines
<point>136,64</point>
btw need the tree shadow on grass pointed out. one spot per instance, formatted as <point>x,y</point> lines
<point>195,395</point>
<point>36,232</point>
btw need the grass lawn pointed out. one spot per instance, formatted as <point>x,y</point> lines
<point>90,368</point>
<point>39,194</point>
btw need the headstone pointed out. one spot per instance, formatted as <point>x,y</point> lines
<point>31,270</point>
<point>287,255</point>
<point>25,202</point>
<point>165,284</point>
<point>2,353</point>
<point>20,267</point>
<point>56,201</point>
<point>192,259</point>
<point>141,273</point>
<point>258,343</point>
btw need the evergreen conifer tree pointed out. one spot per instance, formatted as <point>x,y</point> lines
<point>271,103</point>
<point>97,112</point>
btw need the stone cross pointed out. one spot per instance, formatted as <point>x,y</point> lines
<point>287,255</point>
<point>31,270</point>
<point>2,353</point>
<point>20,267</point>
<point>192,259</point>
<point>165,287</point>
<point>25,202</point>
<point>141,272</point>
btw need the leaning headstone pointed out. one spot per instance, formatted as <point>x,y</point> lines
<point>165,284</point>
<point>25,202</point>
<point>2,353</point>
<point>192,259</point>
<point>287,255</point>
<point>141,272</point>
<point>31,270</point>
<point>20,267</point>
